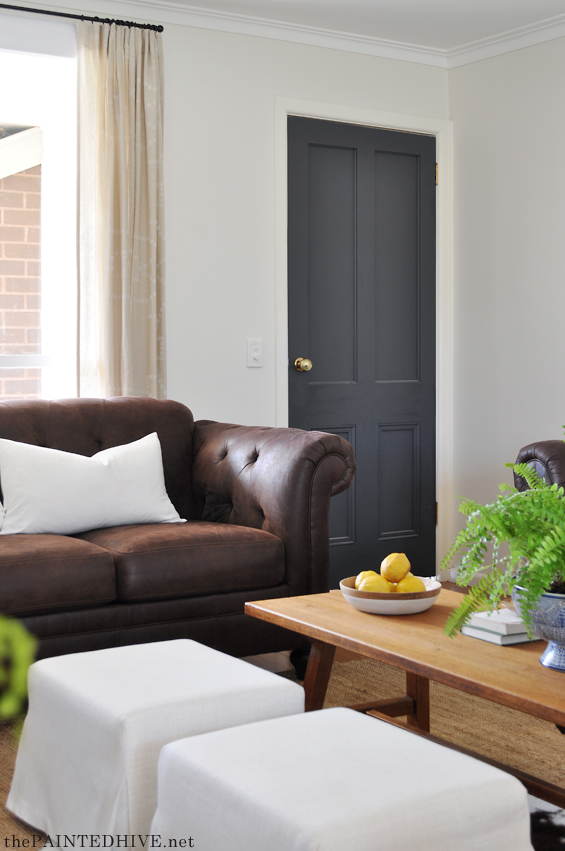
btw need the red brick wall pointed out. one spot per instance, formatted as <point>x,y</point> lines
<point>20,281</point>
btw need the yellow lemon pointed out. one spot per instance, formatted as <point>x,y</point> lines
<point>363,575</point>
<point>375,583</point>
<point>395,567</point>
<point>410,584</point>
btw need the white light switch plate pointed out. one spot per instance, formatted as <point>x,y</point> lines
<point>255,352</point>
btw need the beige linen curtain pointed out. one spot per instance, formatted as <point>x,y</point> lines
<point>121,241</point>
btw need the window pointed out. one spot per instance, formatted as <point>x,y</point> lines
<point>21,151</point>
<point>38,302</point>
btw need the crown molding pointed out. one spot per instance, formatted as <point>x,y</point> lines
<point>313,36</point>
<point>507,42</point>
<point>170,12</point>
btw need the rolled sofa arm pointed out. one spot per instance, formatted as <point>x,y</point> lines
<point>548,460</point>
<point>276,479</point>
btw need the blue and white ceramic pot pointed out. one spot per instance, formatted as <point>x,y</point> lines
<point>548,621</point>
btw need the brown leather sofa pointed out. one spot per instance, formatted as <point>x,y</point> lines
<point>257,505</point>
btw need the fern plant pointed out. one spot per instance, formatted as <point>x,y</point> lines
<point>531,525</point>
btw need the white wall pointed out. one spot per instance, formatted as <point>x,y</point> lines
<point>219,196</point>
<point>509,188</point>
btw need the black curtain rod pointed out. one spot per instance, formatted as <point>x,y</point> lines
<point>155,27</point>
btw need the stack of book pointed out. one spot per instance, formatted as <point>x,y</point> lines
<point>503,626</point>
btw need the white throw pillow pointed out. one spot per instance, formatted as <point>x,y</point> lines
<point>46,490</point>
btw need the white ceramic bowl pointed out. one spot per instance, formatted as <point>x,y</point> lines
<point>392,603</point>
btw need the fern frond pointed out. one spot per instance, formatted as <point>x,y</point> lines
<point>526,472</point>
<point>478,599</point>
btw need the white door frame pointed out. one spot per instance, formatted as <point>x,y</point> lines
<point>442,130</point>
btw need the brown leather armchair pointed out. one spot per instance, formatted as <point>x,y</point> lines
<point>547,457</point>
<point>257,505</point>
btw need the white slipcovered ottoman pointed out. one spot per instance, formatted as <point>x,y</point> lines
<point>87,761</point>
<point>334,780</point>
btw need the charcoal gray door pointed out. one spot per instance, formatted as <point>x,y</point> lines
<point>361,260</point>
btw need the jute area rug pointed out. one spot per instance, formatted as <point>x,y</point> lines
<point>506,735</point>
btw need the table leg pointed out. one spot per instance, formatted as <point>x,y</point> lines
<point>418,688</point>
<point>318,674</point>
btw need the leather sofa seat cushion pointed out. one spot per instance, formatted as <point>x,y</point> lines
<point>44,573</point>
<point>161,561</point>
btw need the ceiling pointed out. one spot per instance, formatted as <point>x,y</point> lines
<point>445,33</point>
<point>439,24</point>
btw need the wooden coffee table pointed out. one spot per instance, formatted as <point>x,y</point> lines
<point>511,676</point>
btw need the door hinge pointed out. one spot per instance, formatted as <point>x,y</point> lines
<point>437,514</point>
<point>436,174</point>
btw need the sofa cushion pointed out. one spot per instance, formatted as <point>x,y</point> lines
<point>43,573</point>
<point>156,562</point>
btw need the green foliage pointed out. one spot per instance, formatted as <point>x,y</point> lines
<point>17,652</point>
<point>532,525</point>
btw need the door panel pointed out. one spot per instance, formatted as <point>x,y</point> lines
<point>398,489</point>
<point>331,262</point>
<point>396,267</point>
<point>361,260</point>
<point>342,506</point>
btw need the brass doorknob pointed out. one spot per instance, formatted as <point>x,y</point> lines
<point>303,364</point>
